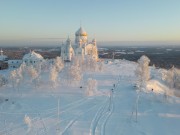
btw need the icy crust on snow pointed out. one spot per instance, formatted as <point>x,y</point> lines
<point>116,107</point>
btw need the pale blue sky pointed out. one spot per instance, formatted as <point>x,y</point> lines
<point>31,21</point>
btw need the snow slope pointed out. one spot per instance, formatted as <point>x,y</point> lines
<point>115,109</point>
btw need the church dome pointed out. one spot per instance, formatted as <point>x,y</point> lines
<point>81,32</point>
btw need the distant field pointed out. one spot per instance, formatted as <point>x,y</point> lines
<point>163,57</point>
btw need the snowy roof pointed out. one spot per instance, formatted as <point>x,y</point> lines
<point>81,32</point>
<point>32,55</point>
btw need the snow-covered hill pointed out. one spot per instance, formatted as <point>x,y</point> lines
<point>116,107</point>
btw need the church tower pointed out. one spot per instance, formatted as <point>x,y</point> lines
<point>67,51</point>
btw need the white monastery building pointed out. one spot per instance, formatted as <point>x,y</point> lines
<point>67,52</point>
<point>32,58</point>
<point>14,63</point>
<point>81,48</point>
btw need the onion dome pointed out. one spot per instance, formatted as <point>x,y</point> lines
<point>81,32</point>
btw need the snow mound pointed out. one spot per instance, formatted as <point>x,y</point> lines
<point>157,87</point>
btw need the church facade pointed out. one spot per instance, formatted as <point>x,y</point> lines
<point>81,48</point>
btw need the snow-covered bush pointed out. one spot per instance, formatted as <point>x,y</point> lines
<point>142,71</point>
<point>91,87</point>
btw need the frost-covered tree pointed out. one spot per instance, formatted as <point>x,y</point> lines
<point>90,64</point>
<point>171,77</point>
<point>32,73</point>
<point>177,78</point>
<point>168,77</point>
<point>38,67</point>
<point>91,87</point>
<point>59,64</point>
<point>75,73</point>
<point>78,61</point>
<point>72,72</point>
<point>23,69</point>
<point>142,71</point>
<point>100,67</point>
<point>46,65</point>
<point>28,122</point>
<point>15,77</point>
<point>53,76</point>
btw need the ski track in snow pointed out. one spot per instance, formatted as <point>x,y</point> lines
<point>74,105</point>
<point>96,118</point>
<point>107,116</point>
<point>75,119</point>
<point>36,119</point>
<point>68,108</point>
<point>86,115</point>
<point>102,116</point>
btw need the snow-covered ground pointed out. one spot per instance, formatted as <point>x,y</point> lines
<point>116,108</point>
